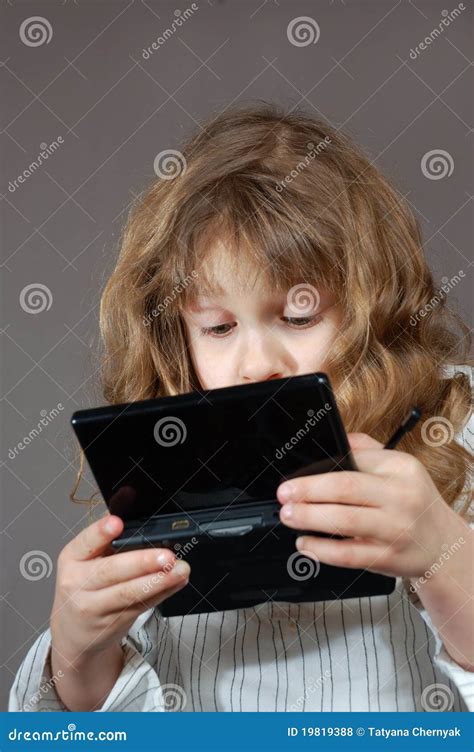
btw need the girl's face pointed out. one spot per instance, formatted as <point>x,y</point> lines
<point>240,337</point>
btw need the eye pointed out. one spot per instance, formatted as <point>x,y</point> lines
<point>217,331</point>
<point>301,322</point>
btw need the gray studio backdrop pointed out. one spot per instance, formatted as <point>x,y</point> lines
<point>102,88</point>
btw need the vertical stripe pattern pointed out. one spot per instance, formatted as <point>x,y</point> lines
<point>360,654</point>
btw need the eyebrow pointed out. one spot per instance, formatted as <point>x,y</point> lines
<point>198,307</point>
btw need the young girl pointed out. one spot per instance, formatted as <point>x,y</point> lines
<point>275,248</point>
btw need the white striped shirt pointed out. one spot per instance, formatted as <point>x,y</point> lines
<point>359,654</point>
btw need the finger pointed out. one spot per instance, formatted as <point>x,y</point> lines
<point>363,441</point>
<point>128,565</point>
<point>333,518</point>
<point>164,594</point>
<point>382,461</point>
<point>343,553</point>
<point>344,487</point>
<point>135,593</point>
<point>94,539</point>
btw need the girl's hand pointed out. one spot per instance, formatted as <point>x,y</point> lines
<point>99,596</point>
<point>391,509</point>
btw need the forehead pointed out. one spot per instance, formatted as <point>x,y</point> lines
<point>230,274</point>
<point>224,273</point>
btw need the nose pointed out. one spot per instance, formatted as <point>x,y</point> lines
<point>261,360</point>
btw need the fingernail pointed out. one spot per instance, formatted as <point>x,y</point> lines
<point>182,569</point>
<point>286,491</point>
<point>287,511</point>
<point>110,526</point>
<point>162,559</point>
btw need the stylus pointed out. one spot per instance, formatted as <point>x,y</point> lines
<point>410,421</point>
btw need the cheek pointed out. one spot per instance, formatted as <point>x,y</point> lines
<point>311,351</point>
<point>211,370</point>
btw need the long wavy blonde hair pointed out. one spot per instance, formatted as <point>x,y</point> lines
<point>296,200</point>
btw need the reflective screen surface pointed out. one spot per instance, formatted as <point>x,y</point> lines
<point>227,446</point>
